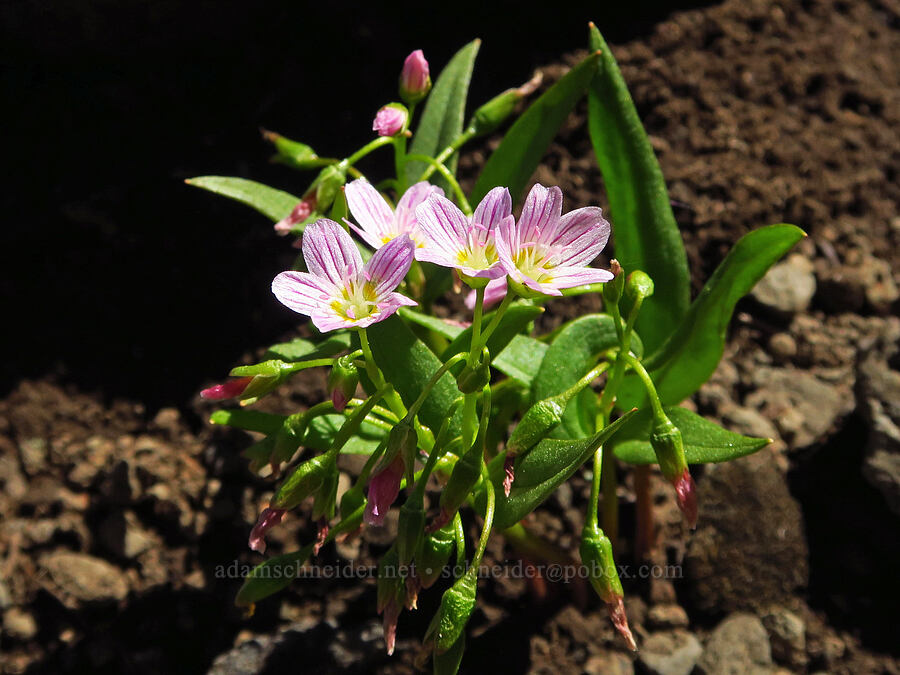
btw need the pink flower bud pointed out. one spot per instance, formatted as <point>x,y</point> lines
<point>383,490</point>
<point>616,610</point>
<point>686,494</point>
<point>390,120</point>
<point>299,213</point>
<point>415,81</point>
<point>268,519</point>
<point>230,389</point>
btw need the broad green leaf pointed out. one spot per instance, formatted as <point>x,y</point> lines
<point>521,359</point>
<point>440,326</point>
<point>322,430</point>
<point>300,349</point>
<point>704,441</point>
<point>445,108</point>
<point>271,576</point>
<point>249,420</point>
<point>515,320</point>
<point>538,473</point>
<point>692,352</point>
<point>519,153</point>
<point>276,204</point>
<point>408,365</point>
<point>645,233</point>
<point>574,351</point>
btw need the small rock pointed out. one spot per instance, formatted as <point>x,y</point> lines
<point>122,534</point>
<point>662,592</point>
<point>783,346</point>
<point>5,597</point>
<point>19,624</point>
<point>787,635</point>
<point>788,287</point>
<point>878,387</point>
<point>85,578</point>
<point>670,653</point>
<point>738,646</point>
<point>609,663</point>
<point>33,452</point>
<point>748,421</point>
<point>667,616</point>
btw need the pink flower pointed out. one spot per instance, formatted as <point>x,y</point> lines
<point>268,519</point>
<point>297,215</point>
<point>494,292</point>
<point>379,224</point>
<point>229,389</point>
<point>465,243</point>
<point>339,291</point>
<point>390,120</point>
<point>415,81</point>
<point>686,493</point>
<point>383,490</point>
<point>545,251</point>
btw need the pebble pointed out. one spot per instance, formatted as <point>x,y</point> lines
<point>673,652</point>
<point>788,287</point>
<point>783,345</point>
<point>19,624</point>
<point>609,663</point>
<point>787,635</point>
<point>667,616</point>
<point>85,578</point>
<point>737,646</point>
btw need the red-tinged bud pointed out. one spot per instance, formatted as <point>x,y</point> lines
<point>686,493</point>
<point>298,214</point>
<point>509,470</point>
<point>616,609</point>
<point>342,382</point>
<point>415,79</point>
<point>268,519</point>
<point>231,389</point>
<point>320,536</point>
<point>383,490</point>
<point>390,120</point>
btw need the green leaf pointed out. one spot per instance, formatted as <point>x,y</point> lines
<point>442,119</point>
<point>276,204</point>
<point>692,352</point>
<point>249,420</point>
<point>521,359</point>
<point>541,471</point>
<point>271,576</point>
<point>645,233</point>
<point>322,430</point>
<point>519,153</point>
<point>440,326</point>
<point>408,365</point>
<point>515,320</point>
<point>300,349</point>
<point>574,351</point>
<point>704,441</point>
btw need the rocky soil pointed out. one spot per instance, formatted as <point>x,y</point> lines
<point>121,528</point>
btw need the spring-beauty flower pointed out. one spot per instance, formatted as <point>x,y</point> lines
<point>378,222</point>
<point>339,291</point>
<point>415,79</point>
<point>463,242</point>
<point>545,251</point>
<point>390,119</point>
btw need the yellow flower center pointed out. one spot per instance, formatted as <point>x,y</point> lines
<point>357,301</point>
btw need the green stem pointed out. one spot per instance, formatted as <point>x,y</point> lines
<point>400,161</point>
<point>488,517</point>
<point>446,153</point>
<point>449,177</point>
<point>381,141</point>
<point>498,315</point>
<point>460,540</point>
<point>642,373</point>
<point>608,484</point>
<point>594,501</point>
<point>393,398</point>
<point>476,326</point>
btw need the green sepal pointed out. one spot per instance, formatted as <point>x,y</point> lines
<point>449,622</point>
<point>410,529</point>
<point>436,549</point>
<point>306,479</point>
<point>328,184</point>
<point>292,153</point>
<point>448,662</point>
<point>597,555</point>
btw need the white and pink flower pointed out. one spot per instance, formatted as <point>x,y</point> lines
<point>339,291</point>
<point>378,222</point>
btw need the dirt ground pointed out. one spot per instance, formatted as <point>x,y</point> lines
<point>121,527</point>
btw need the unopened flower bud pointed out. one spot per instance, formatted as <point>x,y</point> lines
<point>668,445</point>
<point>298,214</point>
<point>304,482</point>
<point>415,80</point>
<point>328,183</point>
<point>390,120</point>
<point>452,616</point>
<point>342,382</point>
<point>410,529</point>
<point>492,114</point>
<point>268,519</point>
<point>230,389</point>
<point>437,547</point>
<point>293,153</point>
<point>597,556</point>
<point>391,596</point>
<point>383,490</point>
<point>474,379</point>
<point>612,290</point>
<point>638,287</point>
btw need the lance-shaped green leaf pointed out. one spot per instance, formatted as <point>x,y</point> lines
<point>526,142</point>
<point>271,576</point>
<point>538,473</point>
<point>249,420</point>
<point>300,349</point>
<point>276,204</point>
<point>442,327</point>
<point>513,322</point>
<point>704,441</point>
<point>442,119</point>
<point>574,352</point>
<point>408,364</point>
<point>322,431</point>
<point>692,352</point>
<point>645,233</point>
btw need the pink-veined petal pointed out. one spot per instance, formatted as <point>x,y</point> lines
<point>370,209</point>
<point>495,271</point>
<point>444,226</point>
<point>581,236</point>
<point>569,277</point>
<point>326,321</point>
<point>387,267</point>
<point>506,243</point>
<point>329,252</point>
<point>496,205</point>
<point>540,215</point>
<point>304,293</point>
<point>405,216</point>
<point>494,292</point>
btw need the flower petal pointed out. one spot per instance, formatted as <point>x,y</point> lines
<point>329,252</point>
<point>540,215</point>
<point>444,226</point>
<point>405,216</point>
<point>387,267</point>
<point>506,241</point>
<point>581,236</point>
<point>371,211</point>
<point>494,292</point>
<point>569,277</point>
<point>301,292</point>
<point>496,205</point>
